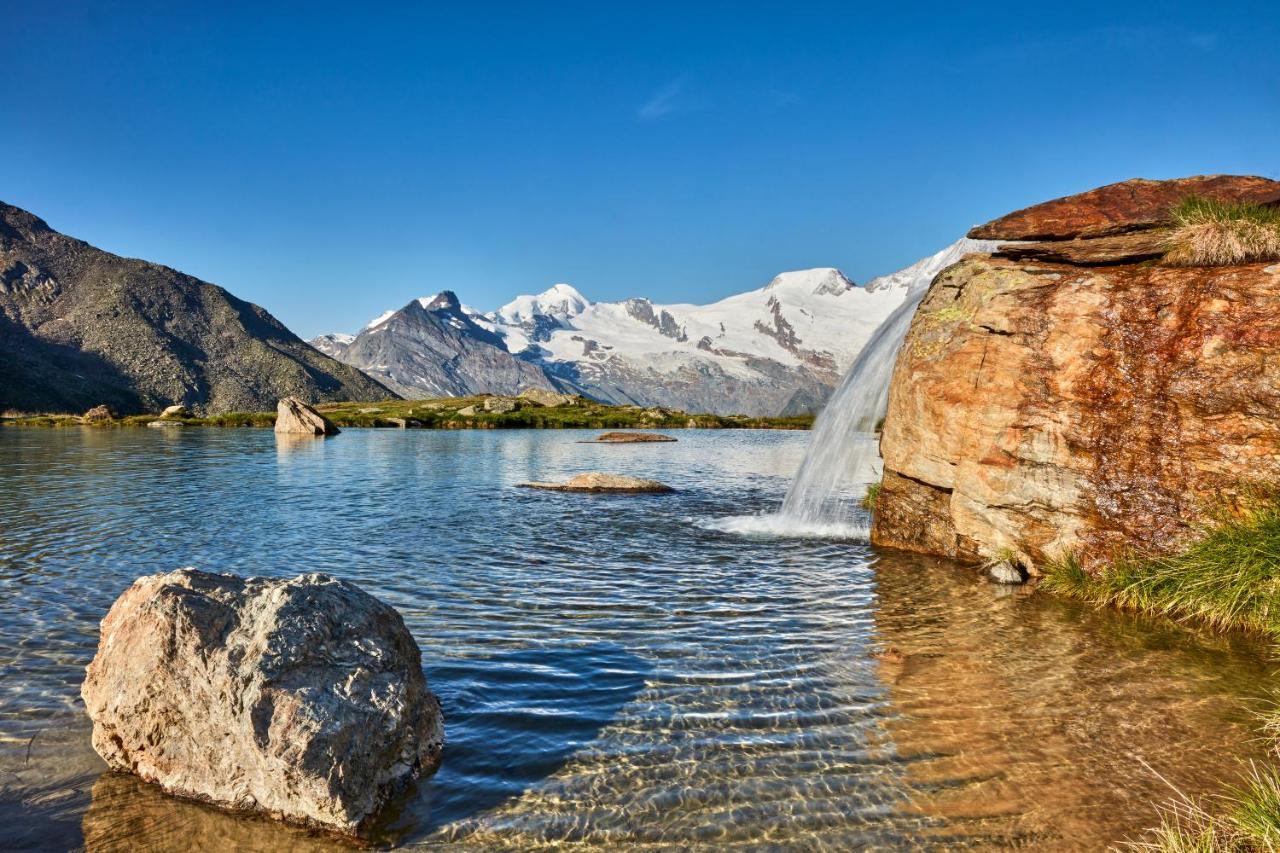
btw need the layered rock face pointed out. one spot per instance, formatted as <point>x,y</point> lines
<point>301,698</point>
<point>1050,401</point>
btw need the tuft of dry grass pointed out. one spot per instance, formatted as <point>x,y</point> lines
<point>1209,233</point>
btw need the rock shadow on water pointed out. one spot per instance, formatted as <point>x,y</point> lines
<point>513,719</point>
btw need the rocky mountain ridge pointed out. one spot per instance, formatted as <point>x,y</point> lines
<point>80,327</point>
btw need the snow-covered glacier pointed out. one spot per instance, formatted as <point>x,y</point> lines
<point>778,349</point>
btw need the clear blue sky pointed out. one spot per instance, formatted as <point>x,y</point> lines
<point>329,162</point>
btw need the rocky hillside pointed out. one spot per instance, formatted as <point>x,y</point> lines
<point>433,348</point>
<point>775,350</point>
<point>1075,395</point>
<point>81,327</point>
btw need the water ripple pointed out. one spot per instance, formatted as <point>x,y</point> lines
<point>674,671</point>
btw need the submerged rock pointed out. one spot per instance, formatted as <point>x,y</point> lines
<point>598,482</point>
<point>629,438</point>
<point>294,417</point>
<point>303,699</point>
<point>164,424</point>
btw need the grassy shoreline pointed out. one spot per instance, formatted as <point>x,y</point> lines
<point>448,413</point>
<point>1228,578</point>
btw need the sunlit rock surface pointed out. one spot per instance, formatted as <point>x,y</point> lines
<point>294,417</point>
<point>1055,408</point>
<point>303,699</point>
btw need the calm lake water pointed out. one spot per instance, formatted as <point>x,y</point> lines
<point>615,671</point>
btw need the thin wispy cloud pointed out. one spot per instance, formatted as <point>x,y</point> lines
<point>667,100</point>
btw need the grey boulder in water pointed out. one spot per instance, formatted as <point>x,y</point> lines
<point>303,699</point>
<point>294,417</point>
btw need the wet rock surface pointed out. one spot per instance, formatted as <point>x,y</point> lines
<point>302,699</point>
<point>598,482</point>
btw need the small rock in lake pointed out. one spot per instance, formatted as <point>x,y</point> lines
<point>598,482</point>
<point>98,414</point>
<point>1004,572</point>
<point>294,417</point>
<point>629,438</point>
<point>893,654</point>
<point>164,424</point>
<point>303,699</point>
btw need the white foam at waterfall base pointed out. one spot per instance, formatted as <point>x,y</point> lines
<point>825,498</point>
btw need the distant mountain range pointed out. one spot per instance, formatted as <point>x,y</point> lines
<point>80,327</point>
<point>779,349</point>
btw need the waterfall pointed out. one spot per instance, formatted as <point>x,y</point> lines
<point>844,447</point>
<point>825,498</point>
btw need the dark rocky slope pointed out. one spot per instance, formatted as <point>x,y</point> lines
<point>80,326</point>
<point>1074,398</point>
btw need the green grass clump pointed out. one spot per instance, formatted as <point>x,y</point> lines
<point>1209,233</point>
<point>870,498</point>
<point>1244,819</point>
<point>1228,578</point>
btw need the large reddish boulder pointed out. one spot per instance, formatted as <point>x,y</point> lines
<point>1055,410</point>
<point>1060,398</point>
<point>1118,208</point>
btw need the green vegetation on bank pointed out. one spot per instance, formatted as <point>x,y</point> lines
<point>1208,233</point>
<point>1243,819</point>
<point>1228,578</point>
<point>453,413</point>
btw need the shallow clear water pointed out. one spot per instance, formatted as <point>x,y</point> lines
<point>616,671</point>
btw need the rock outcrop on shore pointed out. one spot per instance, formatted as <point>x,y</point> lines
<point>1066,398</point>
<point>294,417</point>
<point>303,699</point>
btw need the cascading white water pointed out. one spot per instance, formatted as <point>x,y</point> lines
<point>825,498</point>
<point>843,450</point>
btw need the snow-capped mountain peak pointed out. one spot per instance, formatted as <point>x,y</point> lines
<point>445,299</point>
<point>820,281</point>
<point>560,301</point>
